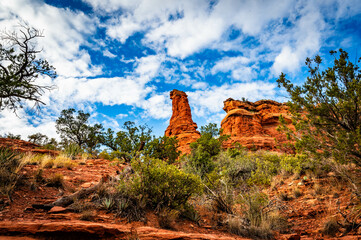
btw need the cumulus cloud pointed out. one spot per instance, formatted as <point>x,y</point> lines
<point>210,101</point>
<point>64,30</point>
<point>211,49</point>
<point>238,66</point>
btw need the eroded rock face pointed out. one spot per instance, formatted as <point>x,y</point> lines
<point>181,124</point>
<point>24,146</point>
<point>254,125</point>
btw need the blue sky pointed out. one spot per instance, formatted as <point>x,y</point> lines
<point>119,59</point>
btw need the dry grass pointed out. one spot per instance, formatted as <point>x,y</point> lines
<point>46,161</point>
<point>56,180</point>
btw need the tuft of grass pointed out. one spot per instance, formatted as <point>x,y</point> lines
<point>191,214</point>
<point>38,176</point>
<point>284,196</point>
<point>32,159</point>
<point>56,180</point>
<point>10,166</point>
<point>317,189</point>
<point>64,161</point>
<point>167,217</point>
<point>331,227</point>
<point>297,193</point>
<point>240,226</point>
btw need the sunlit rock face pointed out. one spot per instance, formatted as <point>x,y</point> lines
<point>181,124</point>
<point>254,124</point>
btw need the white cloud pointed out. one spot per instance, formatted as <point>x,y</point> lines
<point>209,101</point>
<point>19,124</point>
<point>107,53</point>
<point>238,66</point>
<point>304,40</point>
<point>64,30</point>
<point>158,106</point>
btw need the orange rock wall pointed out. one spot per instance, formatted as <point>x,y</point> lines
<point>254,125</point>
<point>181,124</point>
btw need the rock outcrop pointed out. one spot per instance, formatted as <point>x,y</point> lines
<point>24,146</point>
<point>181,124</point>
<point>88,230</point>
<point>254,125</point>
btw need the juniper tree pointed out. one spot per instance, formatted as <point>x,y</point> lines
<point>327,109</point>
<point>20,66</point>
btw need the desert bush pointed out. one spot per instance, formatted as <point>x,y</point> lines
<point>190,213</point>
<point>10,166</point>
<point>239,226</point>
<point>104,155</point>
<point>253,204</point>
<point>165,184</point>
<point>159,184</point>
<point>55,180</point>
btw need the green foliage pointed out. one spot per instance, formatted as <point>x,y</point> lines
<point>330,101</point>
<point>104,155</point>
<point>205,149</point>
<point>12,136</point>
<point>76,129</point>
<point>39,139</point>
<point>253,205</point>
<point>20,66</point>
<point>164,148</point>
<point>10,165</point>
<point>160,184</point>
<point>127,142</point>
<point>72,150</point>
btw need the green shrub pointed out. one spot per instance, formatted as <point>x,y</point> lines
<point>72,150</point>
<point>161,184</point>
<point>10,166</point>
<point>104,155</point>
<point>253,204</point>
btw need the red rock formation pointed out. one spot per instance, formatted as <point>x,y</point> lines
<point>181,124</point>
<point>24,146</point>
<point>254,125</point>
<point>41,229</point>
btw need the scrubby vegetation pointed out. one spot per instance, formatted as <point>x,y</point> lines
<point>233,184</point>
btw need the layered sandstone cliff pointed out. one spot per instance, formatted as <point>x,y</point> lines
<point>254,125</point>
<point>181,124</point>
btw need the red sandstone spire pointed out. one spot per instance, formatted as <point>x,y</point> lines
<point>181,124</point>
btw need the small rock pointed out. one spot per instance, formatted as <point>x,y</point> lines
<point>29,209</point>
<point>290,184</point>
<point>57,209</point>
<point>86,185</point>
<point>294,237</point>
<point>300,184</point>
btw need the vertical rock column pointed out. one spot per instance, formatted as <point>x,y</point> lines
<point>181,124</point>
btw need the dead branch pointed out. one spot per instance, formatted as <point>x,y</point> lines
<point>67,200</point>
